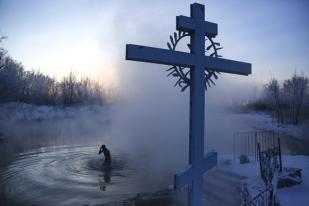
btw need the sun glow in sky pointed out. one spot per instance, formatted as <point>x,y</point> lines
<point>89,37</point>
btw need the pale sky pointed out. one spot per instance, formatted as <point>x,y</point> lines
<point>89,36</point>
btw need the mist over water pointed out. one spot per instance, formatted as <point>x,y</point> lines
<point>152,118</point>
<point>147,131</point>
<point>27,126</point>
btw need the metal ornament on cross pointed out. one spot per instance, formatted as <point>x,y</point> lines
<point>197,28</point>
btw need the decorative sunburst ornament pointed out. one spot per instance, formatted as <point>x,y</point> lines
<point>183,73</point>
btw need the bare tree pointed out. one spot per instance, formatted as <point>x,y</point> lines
<point>54,94</point>
<point>10,78</point>
<point>74,91</point>
<point>273,92</point>
<point>295,90</point>
<point>3,53</point>
<point>67,86</point>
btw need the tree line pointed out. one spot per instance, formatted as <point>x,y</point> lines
<point>289,101</point>
<point>34,87</point>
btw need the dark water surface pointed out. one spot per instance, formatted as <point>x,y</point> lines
<point>70,175</point>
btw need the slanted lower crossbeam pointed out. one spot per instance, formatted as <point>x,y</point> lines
<point>189,173</point>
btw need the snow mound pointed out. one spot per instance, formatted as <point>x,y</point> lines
<point>288,196</point>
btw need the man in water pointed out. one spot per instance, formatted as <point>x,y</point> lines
<point>107,154</point>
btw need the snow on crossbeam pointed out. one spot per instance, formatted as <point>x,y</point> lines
<point>168,57</point>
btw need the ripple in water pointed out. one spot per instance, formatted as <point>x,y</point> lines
<point>69,176</point>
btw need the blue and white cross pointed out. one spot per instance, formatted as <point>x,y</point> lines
<point>198,28</point>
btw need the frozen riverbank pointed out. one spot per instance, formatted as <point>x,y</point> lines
<point>24,126</point>
<point>22,112</point>
<point>263,121</point>
<point>296,195</point>
<point>66,125</point>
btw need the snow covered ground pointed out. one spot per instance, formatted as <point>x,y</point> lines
<point>293,196</point>
<point>21,111</point>
<point>27,126</point>
<point>263,121</point>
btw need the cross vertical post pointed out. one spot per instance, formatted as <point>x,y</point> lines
<point>197,102</point>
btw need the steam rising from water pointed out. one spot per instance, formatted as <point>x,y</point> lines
<point>149,122</point>
<point>153,117</point>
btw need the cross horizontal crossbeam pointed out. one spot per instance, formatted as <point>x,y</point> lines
<point>168,57</point>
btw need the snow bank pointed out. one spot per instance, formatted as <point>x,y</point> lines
<point>299,194</point>
<point>292,196</point>
<point>22,111</point>
<point>263,121</point>
<point>27,126</point>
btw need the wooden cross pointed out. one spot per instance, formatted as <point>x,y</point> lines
<point>198,28</point>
